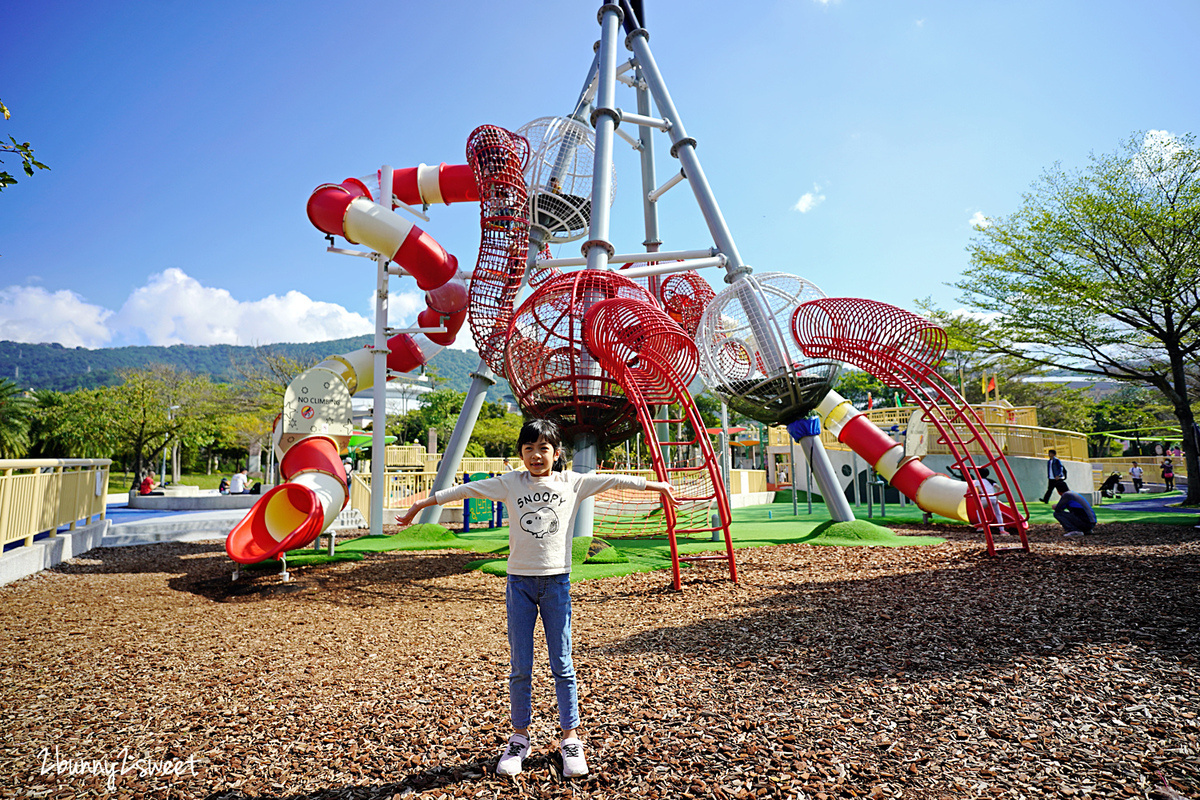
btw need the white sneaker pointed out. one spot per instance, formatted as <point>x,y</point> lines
<point>574,764</point>
<point>514,753</point>
<point>1073,534</point>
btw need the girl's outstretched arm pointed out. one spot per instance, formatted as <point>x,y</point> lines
<point>664,489</point>
<point>407,518</point>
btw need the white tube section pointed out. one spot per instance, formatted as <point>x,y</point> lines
<point>330,492</point>
<point>429,184</point>
<point>356,368</point>
<point>377,227</point>
<point>943,495</point>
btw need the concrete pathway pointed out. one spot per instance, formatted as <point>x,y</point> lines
<point>1160,503</point>
<point>129,526</point>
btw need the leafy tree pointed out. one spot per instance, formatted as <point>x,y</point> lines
<point>71,425</point>
<point>1133,413</point>
<point>439,410</point>
<point>154,408</point>
<point>28,162</point>
<point>498,435</point>
<point>1099,272</point>
<point>855,385</point>
<point>16,413</point>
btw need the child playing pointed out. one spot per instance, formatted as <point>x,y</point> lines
<point>542,505</point>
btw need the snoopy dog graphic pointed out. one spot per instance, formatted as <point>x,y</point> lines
<point>540,522</point>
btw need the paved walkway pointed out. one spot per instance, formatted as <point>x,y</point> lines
<point>1160,503</point>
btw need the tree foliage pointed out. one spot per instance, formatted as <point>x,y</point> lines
<point>72,425</point>
<point>28,162</point>
<point>155,407</point>
<point>1099,272</point>
<point>16,414</point>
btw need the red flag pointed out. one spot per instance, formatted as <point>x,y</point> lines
<point>991,387</point>
<point>870,401</point>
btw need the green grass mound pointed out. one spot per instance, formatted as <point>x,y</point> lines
<point>590,558</point>
<point>859,532</point>
<point>601,552</point>
<point>426,532</point>
<point>419,537</point>
<point>302,559</point>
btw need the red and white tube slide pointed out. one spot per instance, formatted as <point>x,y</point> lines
<point>931,491</point>
<point>347,210</point>
<point>430,185</point>
<point>293,514</point>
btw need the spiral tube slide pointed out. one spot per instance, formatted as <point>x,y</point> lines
<point>931,491</point>
<point>347,210</point>
<point>293,514</point>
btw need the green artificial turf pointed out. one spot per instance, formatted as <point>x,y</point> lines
<point>428,537</point>
<point>591,558</point>
<point>755,526</point>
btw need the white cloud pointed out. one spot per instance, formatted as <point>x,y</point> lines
<point>1159,160</point>
<point>32,314</point>
<point>174,308</point>
<point>403,308</point>
<point>981,316</point>
<point>809,200</point>
<point>827,3</point>
<point>978,220</point>
<point>920,23</point>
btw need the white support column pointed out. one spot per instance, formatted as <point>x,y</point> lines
<point>379,354</point>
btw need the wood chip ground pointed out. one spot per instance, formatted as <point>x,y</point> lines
<point>828,672</point>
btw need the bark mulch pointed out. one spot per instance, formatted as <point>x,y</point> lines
<point>828,672</point>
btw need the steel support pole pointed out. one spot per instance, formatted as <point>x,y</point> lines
<point>827,482</point>
<point>650,215</point>
<point>482,379</point>
<point>597,249</point>
<point>683,147</point>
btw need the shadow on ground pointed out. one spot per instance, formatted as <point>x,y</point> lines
<point>974,611</point>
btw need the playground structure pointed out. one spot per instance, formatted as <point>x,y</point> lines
<point>606,351</point>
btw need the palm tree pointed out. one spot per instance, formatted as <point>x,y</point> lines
<point>16,412</point>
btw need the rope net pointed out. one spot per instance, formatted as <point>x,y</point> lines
<point>749,357</point>
<point>552,373</point>
<point>498,159</point>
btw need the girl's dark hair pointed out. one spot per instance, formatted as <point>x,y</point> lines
<point>539,429</point>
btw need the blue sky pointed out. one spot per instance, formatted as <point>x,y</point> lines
<point>850,142</point>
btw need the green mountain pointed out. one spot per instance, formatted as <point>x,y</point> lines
<point>52,366</point>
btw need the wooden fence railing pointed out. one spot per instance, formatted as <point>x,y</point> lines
<point>43,494</point>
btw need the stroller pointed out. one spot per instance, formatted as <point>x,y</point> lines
<point>1112,486</point>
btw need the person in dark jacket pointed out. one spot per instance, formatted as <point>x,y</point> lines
<point>1075,514</point>
<point>1056,475</point>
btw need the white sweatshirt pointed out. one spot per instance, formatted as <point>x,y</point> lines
<point>541,513</point>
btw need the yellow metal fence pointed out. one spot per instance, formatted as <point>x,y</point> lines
<point>1151,467</point>
<point>1010,427</point>
<point>405,487</point>
<point>38,495</point>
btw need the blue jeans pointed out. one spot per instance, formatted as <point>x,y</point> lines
<point>524,596</point>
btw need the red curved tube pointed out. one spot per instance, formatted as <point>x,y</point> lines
<point>290,515</point>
